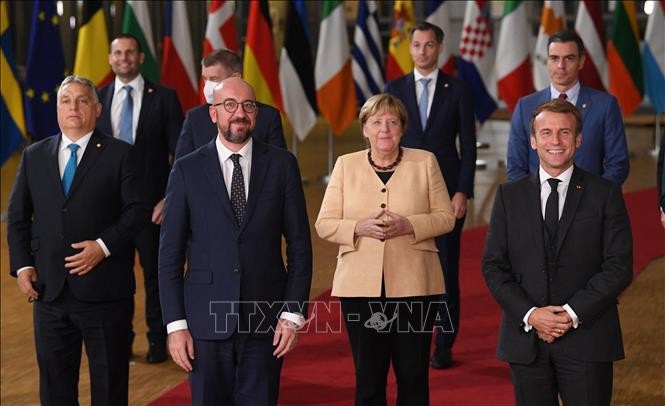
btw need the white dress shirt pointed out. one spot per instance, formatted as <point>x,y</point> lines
<point>119,97</point>
<point>571,94</point>
<point>562,190</point>
<point>431,86</point>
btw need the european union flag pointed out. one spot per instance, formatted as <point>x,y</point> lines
<point>12,120</point>
<point>45,70</point>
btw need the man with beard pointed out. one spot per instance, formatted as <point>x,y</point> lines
<point>234,314</point>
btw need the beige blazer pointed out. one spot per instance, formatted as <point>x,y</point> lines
<point>409,264</point>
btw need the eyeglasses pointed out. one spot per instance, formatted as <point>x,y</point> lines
<point>231,106</point>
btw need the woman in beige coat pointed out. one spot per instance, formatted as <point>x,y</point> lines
<point>384,206</point>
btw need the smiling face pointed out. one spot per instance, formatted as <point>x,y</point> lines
<point>383,130</point>
<point>236,127</point>
<point>77,110</point>
<point>424,50</point>
<point>555,140</point>
<point>125,59</point>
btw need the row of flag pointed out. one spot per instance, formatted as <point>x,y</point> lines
<point>340,77</point>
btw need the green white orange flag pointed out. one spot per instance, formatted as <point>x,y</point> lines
<point>260,62</point>
<point>513,63</point>
<point>623,58</point>
<point>399,60</point>
<point>92,47</point>
<point>136,21</point>
<point>335,93</point>
<point>552,20</point>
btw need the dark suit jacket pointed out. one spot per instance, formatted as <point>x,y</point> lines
<point>199,129</point>
<point>592,265</point>
<point>104,202</point>
<point>227,263</point>
<point>451,116</point>
<point>157,133</point>
<point>660,175</point>
<point>604,151</point>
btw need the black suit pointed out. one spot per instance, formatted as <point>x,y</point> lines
<point>660,175</point>
<point>156,137</point>
<point>591,263</point>
<point>198,129</point>
<point>104,202</point>
<point>450,117</point>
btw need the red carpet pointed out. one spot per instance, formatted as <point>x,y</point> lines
<point>320,370</point>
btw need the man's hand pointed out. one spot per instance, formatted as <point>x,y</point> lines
<point>458,202</point>
<point>25,279</point>
<point>86,260</point>
<point>371,227</point>
<point>545,337</point>
<point>396,225</point>
<point>181,348</point>
<point>157,212</point>
<point>286,337</point>
<point>551,321</point>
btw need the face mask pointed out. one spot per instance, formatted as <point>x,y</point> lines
<point>208,88</point>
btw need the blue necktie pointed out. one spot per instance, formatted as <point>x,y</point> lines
<point>422,104</point>
<point>70,169</point>
<point>127,116</point>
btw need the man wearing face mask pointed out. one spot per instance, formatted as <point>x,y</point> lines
<point>198,129</point>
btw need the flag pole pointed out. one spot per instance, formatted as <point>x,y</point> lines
<point>294,151</point>
<point>326,178</point>
<point>656,136</point>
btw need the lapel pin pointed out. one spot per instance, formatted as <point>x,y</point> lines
<point>99,145</point>
<point>583,105</point>
<point>445,85</point>
<point>579,187</point>
<point>150,90</point>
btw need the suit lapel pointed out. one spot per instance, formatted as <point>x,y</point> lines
<point>410,101</point>
<point>213,170</point>
<point>534,214</point>
<point>96,145</point>
<point>440,88</point>
<point>146,102</point>
<point>583,102</point>
<point>573,197</point>
<point>54,165</point>
<point>260,165</point>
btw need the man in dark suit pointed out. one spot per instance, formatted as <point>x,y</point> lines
<point>148,116</point>
<point>233,315</point>
<point>198,128</point>
<point>558,254</point>
<point>660,176</point>
<point>440,114</point>
<point>604,151</point>
<point>73,212</point>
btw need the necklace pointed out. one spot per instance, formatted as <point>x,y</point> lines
<point>385,168</point>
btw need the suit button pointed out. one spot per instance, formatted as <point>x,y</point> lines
<point>383,205</point>
<point>383,239</point>
<point>543,271</point>
<point>236,270</point>
<point>383,190</point>
<point>64,210</point>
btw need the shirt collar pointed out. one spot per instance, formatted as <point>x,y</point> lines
<point>81,142</point>
<point>138,83</point>
<point>434,75</point>
<point>571,94</point>
<point>225,153</point>
<point>564,177</point>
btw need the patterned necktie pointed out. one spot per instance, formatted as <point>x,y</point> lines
<point>127,116</point>
<point>70,169</point>
<point>424,99</point>
<point>552,209</point>
<point>238,190</point>
<point>563,96</point>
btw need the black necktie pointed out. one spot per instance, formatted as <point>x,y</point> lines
<point>552,209</point>
<point>238,190</point>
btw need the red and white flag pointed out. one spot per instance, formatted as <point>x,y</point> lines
<point>221,27</point>
<point>590,27</point>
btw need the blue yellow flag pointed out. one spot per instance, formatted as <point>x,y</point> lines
<point>12,132</point>
<point>45,70</point>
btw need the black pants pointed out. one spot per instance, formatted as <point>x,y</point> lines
<point>61,327</point>
<point>449,313</point>
<point>147,245</point>
<point>383,330</point>
<point>553,374</point>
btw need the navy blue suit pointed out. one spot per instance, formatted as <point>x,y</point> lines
<point>157,133</point>
<point>198,129</point>
<point>604,151</point>
<point>228,264</point>
<point>450,118</point>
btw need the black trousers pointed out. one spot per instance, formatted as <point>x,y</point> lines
<point>61,327</point>
<point>447,322</point>
<point>383,330</point>
<point>147,245</point>
<point>554,374</point>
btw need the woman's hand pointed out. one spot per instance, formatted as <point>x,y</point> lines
<point>371,227</point>
<point>396,225</point>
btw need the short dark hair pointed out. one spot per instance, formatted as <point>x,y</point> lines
<point>556,106</point>
<point>228,59</point>
<point>425,26</point>
<point>126,35</point>
<point>567,36</point>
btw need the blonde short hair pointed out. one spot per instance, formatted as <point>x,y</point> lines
<point>383,103</point>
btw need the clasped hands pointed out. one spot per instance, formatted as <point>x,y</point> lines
<point>383,225</point>
<point>550,322</point>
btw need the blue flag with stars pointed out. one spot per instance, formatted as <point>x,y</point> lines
<point>45,70</point>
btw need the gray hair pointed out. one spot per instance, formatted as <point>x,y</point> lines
<point>81,81</point>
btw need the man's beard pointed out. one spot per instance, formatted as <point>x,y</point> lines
<point>236,137</point>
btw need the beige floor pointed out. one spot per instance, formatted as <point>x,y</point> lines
<point>639,380</point>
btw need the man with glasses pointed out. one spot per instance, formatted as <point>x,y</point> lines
<point>234,314</point>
